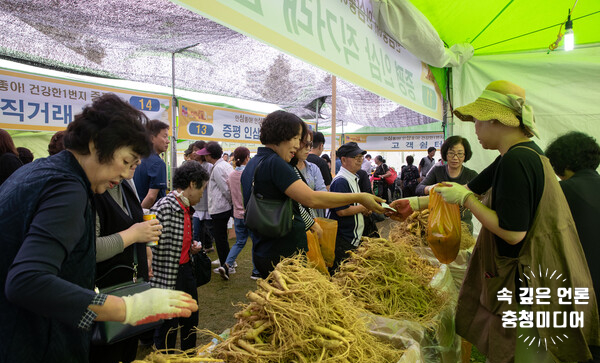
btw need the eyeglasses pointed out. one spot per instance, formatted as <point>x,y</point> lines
<point>453,154</point>
<point>359,157</point>
<point>307,145</point>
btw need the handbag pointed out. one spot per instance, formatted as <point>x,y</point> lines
<point>109,332</point>
<point>270,218</point>
<point>202,268</point>
<point>391,179</point>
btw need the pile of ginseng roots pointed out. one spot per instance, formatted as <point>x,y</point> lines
<point>299,315</point>
<point>391,280</point>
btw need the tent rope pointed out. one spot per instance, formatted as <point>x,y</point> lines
<point>532,32</point>
<point>493,20</point>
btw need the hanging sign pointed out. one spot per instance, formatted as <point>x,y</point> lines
<point>341,37</point>
<point>394,142</point>
<point>198,121</point>
<point>41,103</point>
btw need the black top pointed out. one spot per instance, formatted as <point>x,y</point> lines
<point>409,174</point>
<point>9,162</point>
<point>581,191</point>
<point>380,170</point>
<point>322,164</point>
<point>272,179</point>
<point>119,268</point>
<point>47,264</point>
<point>364,183</point>
<point>517,182</point>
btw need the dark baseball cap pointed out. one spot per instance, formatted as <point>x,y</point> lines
<point>350,150</point>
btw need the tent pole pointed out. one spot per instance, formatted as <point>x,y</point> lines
<point>175,106</point>
<point>333,120</point>
<point>317,117</point>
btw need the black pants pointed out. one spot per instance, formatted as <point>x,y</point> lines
<point>203,232</point>
<point>409,191</point>
<point>382,190</point>
<point>341,247</point>
<point>219,223</point>
<point>124,351</point>
<point>265,265</point>
<point>186,282</point>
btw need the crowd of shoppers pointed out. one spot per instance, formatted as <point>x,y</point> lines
<point>74,221</point>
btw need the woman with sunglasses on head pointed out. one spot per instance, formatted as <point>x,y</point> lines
<point>311,175</point>
<point>455,152</point>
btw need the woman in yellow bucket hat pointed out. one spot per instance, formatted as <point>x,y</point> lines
<point>508,306</point>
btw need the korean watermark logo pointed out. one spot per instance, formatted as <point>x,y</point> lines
<point>528,296</point>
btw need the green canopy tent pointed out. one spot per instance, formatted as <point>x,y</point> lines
<point>508,40</point>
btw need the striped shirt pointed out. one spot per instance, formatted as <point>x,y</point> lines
<point>350,228</point>
<point>167,254</point>
<point>306,213</point>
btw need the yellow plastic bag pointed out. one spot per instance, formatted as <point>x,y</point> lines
<point>327,243</point>
<point>443,228</point>
<point>314,252</point>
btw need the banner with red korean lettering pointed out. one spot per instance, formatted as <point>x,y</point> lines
<point>339,36</point>
<point>41,103</point>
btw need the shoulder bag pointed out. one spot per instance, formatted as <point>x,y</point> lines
<point>202,268</point>
<point>270,218</point>
<point>108,332</point>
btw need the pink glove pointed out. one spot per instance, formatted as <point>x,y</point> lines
<point>155,304</point>
<point>403,209</point>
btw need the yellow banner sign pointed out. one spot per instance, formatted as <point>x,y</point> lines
<point>41,103</point>
<point>198,121</point>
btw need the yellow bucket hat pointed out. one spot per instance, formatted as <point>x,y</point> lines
<point>502,101</point>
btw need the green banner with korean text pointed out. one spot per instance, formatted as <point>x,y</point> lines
<point>339,36</point>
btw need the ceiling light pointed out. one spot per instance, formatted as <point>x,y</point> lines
<point>569,37</point>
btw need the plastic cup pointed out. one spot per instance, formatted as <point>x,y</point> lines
<point>148,217</point>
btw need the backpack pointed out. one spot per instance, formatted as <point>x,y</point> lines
<point>392,178</point>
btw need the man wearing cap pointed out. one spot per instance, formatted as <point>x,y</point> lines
<point>350,217</point>
<point>526,229</point>
<point>220,207</point>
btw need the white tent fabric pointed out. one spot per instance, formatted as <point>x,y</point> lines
<point>411,28</point>
<point>562,87</point>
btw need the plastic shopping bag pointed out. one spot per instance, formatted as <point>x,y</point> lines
<point>443,228</point>
<point>314,252</point>
<point>327,243</point>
